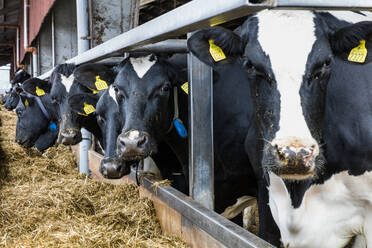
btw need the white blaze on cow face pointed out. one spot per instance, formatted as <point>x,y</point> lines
<point>112,94</point>
<point>67,81</point>
<point>142,65</point>
<point>287,37</point>
<point>134,134</point>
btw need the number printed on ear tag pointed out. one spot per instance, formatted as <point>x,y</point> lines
<point>100,84</point>
<point>39,92</point>
<point>358,54</point>
<point>216,52</point>
<point>88,108</point>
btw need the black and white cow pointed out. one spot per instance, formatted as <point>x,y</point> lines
<point>311,106</point>
<point>36,124</point>
<point>108,116</point>
<point>62,84</point>
<point>11,99</point>
<point>145,93</point>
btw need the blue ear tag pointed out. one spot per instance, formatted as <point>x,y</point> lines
<point>182,132</point>
<point>52,126</point>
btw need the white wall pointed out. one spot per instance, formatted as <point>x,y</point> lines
<point>4,78</point>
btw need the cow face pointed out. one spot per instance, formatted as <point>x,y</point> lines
<point>62,85</point>
<point>288,57</point>
<point>31,122</point>
<point>106,112</point>
<point>143,90</point>
<point>12,98</point>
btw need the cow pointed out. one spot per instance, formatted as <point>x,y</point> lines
<point>61,85</point>
<point>11,99</point>
<point>144,90</point>
<point>35,125</point>
<point>107,113</point>
<point>301,67</point>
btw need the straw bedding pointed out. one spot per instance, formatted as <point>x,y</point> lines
<point>44,202</point>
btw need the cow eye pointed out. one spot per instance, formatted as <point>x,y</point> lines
<point>101,119</point>
<point>327,62</point>
<point>165,88</point>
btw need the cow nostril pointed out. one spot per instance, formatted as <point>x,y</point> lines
<point>142,140</point>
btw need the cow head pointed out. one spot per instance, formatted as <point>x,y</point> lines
<point>33,128</point>
<point>106,112</point>
<point>12,98</point>
<point>288,57</point>
<point>143,92</point>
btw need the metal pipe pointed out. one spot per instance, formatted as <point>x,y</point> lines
<point>25,28</point>
<point>17,44</point>
<point>35,67</point>
<point>83,45</point>
<point>53,42</point>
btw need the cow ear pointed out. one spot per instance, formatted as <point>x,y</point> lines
<point>36,87</point>
<point>83,104</point>
<point>354,42</point>
<point>27,101</point>
<point>96,77</point>
<point>215,45</point>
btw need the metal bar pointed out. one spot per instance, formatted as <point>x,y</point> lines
<point>201,164</point>
<point>220,228</point>
<point>83,45</point>
<point>188,17</point>
<point>53,40</point>
<point>323,4</point>
<point>35,70</point>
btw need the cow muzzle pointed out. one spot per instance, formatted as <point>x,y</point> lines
<point>69,137</point>
<point>114,168</point>
<point>293,158</point>
<point>132,145</point>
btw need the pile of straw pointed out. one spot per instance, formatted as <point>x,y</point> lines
<point>44,202</point>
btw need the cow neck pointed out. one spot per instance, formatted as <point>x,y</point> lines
<point>42,108</point>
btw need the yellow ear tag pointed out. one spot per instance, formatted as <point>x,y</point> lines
<point>39,92</point>
<point>81,114</point>
<point>216,52</point>
<point>94,91</point>
<point>26,103</point>
<point>185,87</point>
<point>88,108</point>
<point>358,54</point>
<point>100,84</point>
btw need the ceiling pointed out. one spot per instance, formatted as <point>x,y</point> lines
<point>9,13</point>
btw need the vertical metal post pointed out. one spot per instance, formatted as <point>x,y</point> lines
<point>53,41</point>
<point>35,62</point>
<point>82,17</point>
<point>201,164</point>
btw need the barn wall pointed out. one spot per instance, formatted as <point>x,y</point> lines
<point>38,10</point>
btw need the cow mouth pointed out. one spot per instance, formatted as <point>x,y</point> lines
<point>25,143</point>
<point>135,157</point>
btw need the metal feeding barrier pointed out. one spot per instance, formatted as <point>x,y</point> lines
<point>187,18</point>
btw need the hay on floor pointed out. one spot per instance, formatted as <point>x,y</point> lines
<point>44,202</point>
